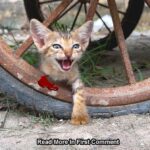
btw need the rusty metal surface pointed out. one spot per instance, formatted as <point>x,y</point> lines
<point>52,17</point>
<point>91,10</point>
<point>147,2</point>
<point>121,41</point>
<point>128,94</point>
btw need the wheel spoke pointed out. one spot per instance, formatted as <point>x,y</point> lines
<point>85,8</point>
<point>48,1</point>
<point>91,9</point>
<point>105,6</point>
<point>76,17</point>
<point>121,42</point>
<point>73,5</point>
<point>103,22</point>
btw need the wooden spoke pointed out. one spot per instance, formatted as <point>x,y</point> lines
<point>49,1</point>
<point>76,17</point>
<point>85,8</point>
<point>103,22</point>
<point>121,41</point>
<point>66,11</point>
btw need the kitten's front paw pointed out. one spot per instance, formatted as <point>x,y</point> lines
<point>79,115</point>
<point>80,119</point>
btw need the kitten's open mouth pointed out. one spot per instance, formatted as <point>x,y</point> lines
<point>65,64</point>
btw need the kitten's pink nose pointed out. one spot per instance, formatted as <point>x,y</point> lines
<point>68,54</point>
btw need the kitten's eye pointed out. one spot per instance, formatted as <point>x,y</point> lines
<point>76,46</point>
<point>56,46</point>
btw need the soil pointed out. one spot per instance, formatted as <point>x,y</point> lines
<point>20,132</point>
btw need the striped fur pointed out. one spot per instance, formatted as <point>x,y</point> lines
<point>60,53</point>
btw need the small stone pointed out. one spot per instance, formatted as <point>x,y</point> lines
<point>113,124</point>
<point>142,144</point>
<point>5,31</point>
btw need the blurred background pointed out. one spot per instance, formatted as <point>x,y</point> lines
<point>13,15</point>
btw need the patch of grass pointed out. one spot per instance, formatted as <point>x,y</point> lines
<point>9,103</point>
<point>137,69</point>
<point>32,58</point>
<point>90,65</point>
<point>58,26</point>
<point>44,118</point>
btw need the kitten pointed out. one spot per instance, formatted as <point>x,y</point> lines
<point>60,53</point>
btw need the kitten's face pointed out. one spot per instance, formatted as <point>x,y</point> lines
<point>61,50</point>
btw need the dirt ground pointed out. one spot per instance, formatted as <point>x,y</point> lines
<point>20,132</point>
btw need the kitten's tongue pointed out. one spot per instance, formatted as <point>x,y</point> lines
<point>66,64</point>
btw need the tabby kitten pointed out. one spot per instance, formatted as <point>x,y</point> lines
<point>60,53</point>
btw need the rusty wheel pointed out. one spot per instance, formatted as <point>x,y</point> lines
<point>18,78</point>
<point>130,16</point>
<point>60,109</point>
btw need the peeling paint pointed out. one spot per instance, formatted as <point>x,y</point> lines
<point>35,85</point>
<point>19,76</point>
<point>103,103</point>
<point>52,93</point>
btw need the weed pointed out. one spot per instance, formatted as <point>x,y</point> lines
<point>32,58</point>
<point>136,68</point>
<point>44,118</point>
<point>10,104</point>
<point>89,65</point>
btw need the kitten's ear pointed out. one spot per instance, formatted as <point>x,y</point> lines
<point>38,32</point>
<point>84,33</point>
